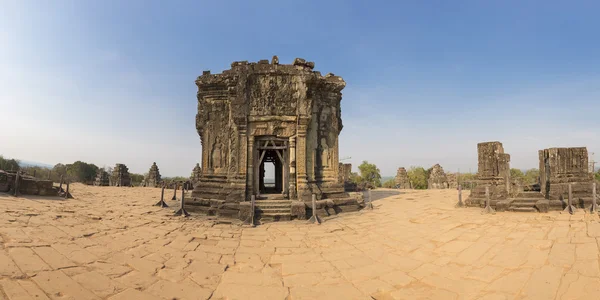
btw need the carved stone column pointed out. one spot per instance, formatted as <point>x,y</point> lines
<point>301,176</point>
<point>243,148</point>
<point>250,174</point>
<point>292,167</point>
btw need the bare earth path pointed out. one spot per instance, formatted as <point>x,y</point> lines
<point>110,243</point>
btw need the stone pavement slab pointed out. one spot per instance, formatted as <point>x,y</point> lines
<point>413,245</point>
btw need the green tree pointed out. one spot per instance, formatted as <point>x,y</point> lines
<point>9,164</point>
<point>136,179</point>
<point>370,174</point>
<point>531,176</point>
<point>597,175</point>
<point>81,172</point>
<point>59,169</point>
<point>418,177</point>
<point>40,172</point>
<point>517,175</point>
<point>389,184</point>
<point>355,178</point>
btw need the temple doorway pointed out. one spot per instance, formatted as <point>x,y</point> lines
<point>273,171</point>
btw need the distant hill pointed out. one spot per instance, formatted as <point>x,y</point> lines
<point>25,163</point>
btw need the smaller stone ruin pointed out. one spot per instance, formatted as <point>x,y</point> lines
<point>560,167</point>
<point>196,173</point>
<point>153,179</point>
<point>102,178</point>
<point>437,178</point>
<point>452,180</point>
<point>344,172</point>
<point>493,172</point>
<point>120,176</point>
<point>28,185</point>
<point>401,179</point>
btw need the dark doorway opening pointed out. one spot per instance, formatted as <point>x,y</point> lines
<point>272,157</point>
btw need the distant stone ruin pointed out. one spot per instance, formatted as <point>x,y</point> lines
<point>437,178</point>
<point>269,114</point>
<point>102,178</point>
<point>345,170</point>
<point>560,167</point>
<point>196,173</point>
<point>153,179</point>
<point>120,176</point>
<point>401,179</point>
<point>452,180</point>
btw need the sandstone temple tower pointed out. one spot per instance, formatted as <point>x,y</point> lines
<point>286,117</point>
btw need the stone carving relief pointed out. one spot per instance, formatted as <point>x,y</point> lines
<point>325,155</point>
<point>217,154</point>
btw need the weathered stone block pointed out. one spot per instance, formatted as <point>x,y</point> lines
<point>502,205</point>
<point>543,205</point>
<point>298,210</point>
<point>245,210</point>
<point>556,205</point>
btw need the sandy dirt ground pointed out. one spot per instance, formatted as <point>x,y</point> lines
<point>111,243</point>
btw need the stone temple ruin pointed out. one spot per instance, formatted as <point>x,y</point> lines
<point>401,179</point>
<point>153,179</point>
<point>437,178</point>
<point>286,118</point>
<point>120,176</point>
<point>196,173</point>
<point>102,178</point>
<point>559,167</point>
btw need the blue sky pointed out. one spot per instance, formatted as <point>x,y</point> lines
<point>113,81</point>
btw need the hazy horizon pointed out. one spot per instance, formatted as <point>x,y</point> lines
<point>113,82</point>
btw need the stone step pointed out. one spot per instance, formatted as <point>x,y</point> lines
<point>271,197</point>
<point>522,209</point>
<point>272,217</point>
<point>273,204</point>
<point>522,204</point>
<point>283,210</point>
<point>525,200</point>
<point>533,195</point>
<point>273,201</point>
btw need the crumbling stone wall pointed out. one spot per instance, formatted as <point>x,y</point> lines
<point>401,179</point>
<point>28,185</point>
<point>102,178</point>
<point>493,172</point>
<point>560,167</point>
<point>153,179</point>
<point>437,178</point>
<point>120,176</point>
